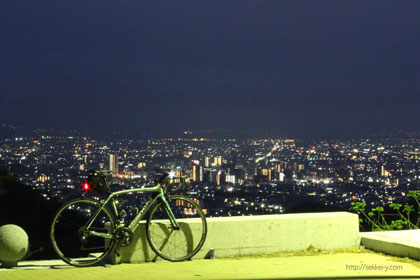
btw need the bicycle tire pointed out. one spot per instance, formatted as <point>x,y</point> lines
<point>176,244</point>
<point>67,227</point>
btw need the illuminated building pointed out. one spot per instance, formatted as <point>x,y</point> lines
<point>281,177</point>
<point>301,167</point>
<point>43,178</point>
<point>197,173</point>
<point>384,172</point>
<point>220,178</point>
<point>113,163</point>
<point>178,173</point>
<point>393,181</point>
<point>218,161</point>
<point>230,179</point>
<point>267,172</point>
<point>141,164</point>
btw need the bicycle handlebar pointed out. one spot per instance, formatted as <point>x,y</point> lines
<point>100,172</point>
<point>182,184</point>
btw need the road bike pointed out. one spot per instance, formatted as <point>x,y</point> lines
<point>84,231</point>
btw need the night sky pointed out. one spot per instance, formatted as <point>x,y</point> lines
<point>259,68</point>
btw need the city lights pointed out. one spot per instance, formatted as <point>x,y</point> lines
<point>227,177</point>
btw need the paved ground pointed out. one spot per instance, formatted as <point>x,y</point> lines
<point>361,265</point>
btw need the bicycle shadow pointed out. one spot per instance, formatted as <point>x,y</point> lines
<point>186,238</point>
<point>140,251</point>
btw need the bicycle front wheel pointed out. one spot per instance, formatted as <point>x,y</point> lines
<point>69,236</point>
<point>176,244</point>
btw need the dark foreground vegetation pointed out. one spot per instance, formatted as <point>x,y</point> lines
<point>23,206</point>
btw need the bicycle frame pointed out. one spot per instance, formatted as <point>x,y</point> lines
<point>135,222</point>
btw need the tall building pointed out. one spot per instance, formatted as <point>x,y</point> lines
<point>220,178</point>
<point>198,173</point>
<point>218,161</point>
<point>194,173</point>
<point>113,163</point>
<point>206,161</point>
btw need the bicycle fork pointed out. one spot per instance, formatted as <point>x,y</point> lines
<point>171,216</point>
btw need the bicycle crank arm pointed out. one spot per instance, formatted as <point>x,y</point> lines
<point>103,235</point>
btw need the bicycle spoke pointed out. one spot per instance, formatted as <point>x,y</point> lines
<point>67,226</point>
<point>65,233</point>
<point>69,222</point>
<point>68,240</point>
<point>158,235</point>
<point>176,244</point>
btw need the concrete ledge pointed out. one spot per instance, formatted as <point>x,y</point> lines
<point>245,235</point>
<point>402,243</point>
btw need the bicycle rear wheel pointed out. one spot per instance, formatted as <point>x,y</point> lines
<point>68,234</point>
<point>176,244</point>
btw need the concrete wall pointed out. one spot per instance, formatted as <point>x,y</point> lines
<point>401,243</point>
<point>245,235</point>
